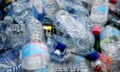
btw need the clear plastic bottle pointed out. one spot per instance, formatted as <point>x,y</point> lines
<point>38,9</point>
<point>74,7</point>
<point>78,64</point>
<point>16,68</point>
<point>50,7</point>
<point>81,38</point>
<point>99,11</point>
<point>21,10</point>
<point>17,34</point>
<point>48,30</point>
<point>35,55</point>
<point>8,59</point>
<point>4,34</point>
<point>8,20</point>
<point>110,38</point>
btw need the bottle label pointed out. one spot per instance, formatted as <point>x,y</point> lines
<point>109,32</point>
<point>35,56</point>
<point>100,9</point>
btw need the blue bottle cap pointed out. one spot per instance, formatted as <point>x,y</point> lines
<point>70,10</point>
<point>92,56</point>
<point>60,46</point>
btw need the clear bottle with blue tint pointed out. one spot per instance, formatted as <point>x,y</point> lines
<point>50,7</point>
<point>110,44</point>
<point>35,55</point>
<point>79,36</point>
<point>99,11</point>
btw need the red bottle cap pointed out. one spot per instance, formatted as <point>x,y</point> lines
<point>98,68</point>
<point>96,29</point>
<point>113,1</point>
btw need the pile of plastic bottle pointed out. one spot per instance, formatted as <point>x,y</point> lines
<point>59,35</point>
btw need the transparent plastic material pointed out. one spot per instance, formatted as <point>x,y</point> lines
<point>110,38</point>
<point>34,52</point>
<point>79,64</point>
<point>115,66</point>
<point>34,29</point>
<point>99,12</point>
<point>75,7</point>
<point>50,7</point>
<point>17,35</point>
<point>8,59</point>
<point>21,10</point>
<point>81,38</point>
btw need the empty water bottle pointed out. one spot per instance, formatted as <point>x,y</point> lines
<point>99,12</point>
<point>110,39</point>
<point>21,10</point>
<point>8,59</point>
<point>35,54</point>
<point>8,20</point>
<point>73,7</point>
<point>50,7</point>
<point>16,68</point>
<point>78,35</point>
<point>3,41</point>
<point>110,42</point>
<point>17,35</point>
<point>38,9</point>
<point>78,64</point>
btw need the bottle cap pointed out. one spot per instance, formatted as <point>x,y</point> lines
<point>71,10</point>
<point>97,68</point>
<point>113,1</point>
<point>47,27</point>
<point>60,46</point>
<point>92,56</point>
<point>57,52</point>
<point>96,29</point>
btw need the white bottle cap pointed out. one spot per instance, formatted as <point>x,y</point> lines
<point>57,52</point>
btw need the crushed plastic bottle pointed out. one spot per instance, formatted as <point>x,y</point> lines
<point>16,68</point>
<point>109,41</point>
<point>73,7</point>
<point>83,41</point>
<point>50,7</point>
<point>17,34</point>
<point>78,64</point>
<point>8,59</point>
<point>4,35</point>
<point>21,10</point>
<point>57,35</point>
<point>110,38</point>
<point>38,9</point>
